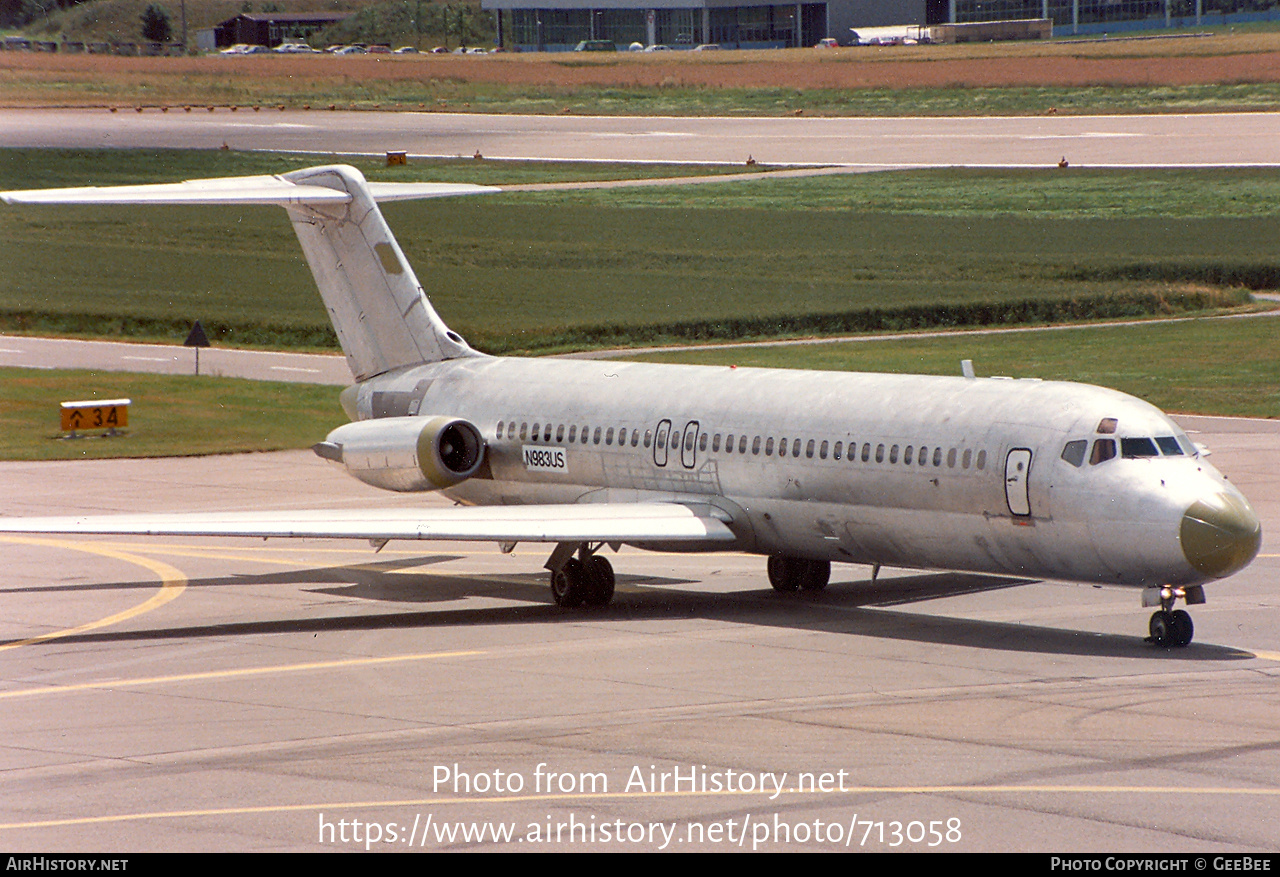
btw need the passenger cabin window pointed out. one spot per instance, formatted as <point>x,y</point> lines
<point>982,459</point>
<point>1073,452</point>
<point>906,456</point>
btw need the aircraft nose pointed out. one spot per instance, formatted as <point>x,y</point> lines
<point>1220,535</point>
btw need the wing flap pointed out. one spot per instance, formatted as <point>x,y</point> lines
<point>592,522</point>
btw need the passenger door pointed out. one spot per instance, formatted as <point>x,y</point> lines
<point>1017,469</point>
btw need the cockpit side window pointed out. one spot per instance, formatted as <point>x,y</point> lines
<point>1073,452</point>
<point>1103,450</point>
<point>1169,446</point>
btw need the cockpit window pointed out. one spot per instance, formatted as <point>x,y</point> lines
<point>1073,453</point>
<point>1107,426</point>
<point>1169,445</point>
<point>1138,447</point>
<point>1103,450</point>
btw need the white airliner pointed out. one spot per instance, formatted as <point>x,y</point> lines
<point>1018,477</point>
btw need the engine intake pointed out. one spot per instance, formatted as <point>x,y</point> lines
<point>407,453</point>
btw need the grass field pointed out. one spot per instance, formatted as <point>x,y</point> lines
<point>1224,366</point>
<point>170,415</point>
<point>555,270</point>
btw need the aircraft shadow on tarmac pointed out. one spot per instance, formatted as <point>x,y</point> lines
<point>857,608</point>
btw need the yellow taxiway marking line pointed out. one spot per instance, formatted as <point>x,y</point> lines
<point>619,796</point>
<point>233,673</point>
<point>172,583</point>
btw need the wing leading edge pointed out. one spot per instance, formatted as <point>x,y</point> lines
<point>590,522</point>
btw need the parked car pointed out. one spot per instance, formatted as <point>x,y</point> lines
<point>827,43</point>
<point>406,50</point>
<point>706,47</point>
<point>294,49</point>
<point>379,50</point>
<point>596,46</point>
<point>657,47</point>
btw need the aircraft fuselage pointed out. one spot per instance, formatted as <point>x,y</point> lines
<point>905,470</point>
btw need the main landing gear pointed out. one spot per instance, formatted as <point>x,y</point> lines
<point>794,573</point>
<point>583,580</point>
<point>1171,628</point>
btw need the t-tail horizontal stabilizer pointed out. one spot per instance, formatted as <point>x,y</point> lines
<point>378,308</point>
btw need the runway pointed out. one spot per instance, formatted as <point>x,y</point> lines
<point>239,695</point>
<point>1239,139</point>
<point>185,694</point>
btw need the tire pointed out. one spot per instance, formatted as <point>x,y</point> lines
<point>816,575</point>
<point>783,574</point>
<point>599,580</point>
<point>1160,629</point>
<point>569,584</point>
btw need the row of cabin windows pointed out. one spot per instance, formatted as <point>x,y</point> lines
<point>736,442</point>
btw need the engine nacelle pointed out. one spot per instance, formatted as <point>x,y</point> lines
<point>407,453</point>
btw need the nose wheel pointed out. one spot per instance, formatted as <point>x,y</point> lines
<point>1171,630</point>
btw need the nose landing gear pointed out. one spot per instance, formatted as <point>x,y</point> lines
<point>1171,628</point>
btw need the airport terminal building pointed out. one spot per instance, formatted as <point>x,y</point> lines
<point>559,25</point>
<point>535,25</point>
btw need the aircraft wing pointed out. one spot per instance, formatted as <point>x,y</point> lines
<point>586,522</point>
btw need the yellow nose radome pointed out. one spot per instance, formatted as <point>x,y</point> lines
<point>1220,535</point>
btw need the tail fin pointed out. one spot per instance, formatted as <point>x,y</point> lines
<point>378,308</point>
